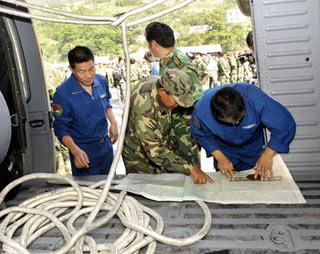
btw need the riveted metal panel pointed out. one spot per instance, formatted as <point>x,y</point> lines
<point>287,39</point>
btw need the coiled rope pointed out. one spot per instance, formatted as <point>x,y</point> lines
<point>61,208</point>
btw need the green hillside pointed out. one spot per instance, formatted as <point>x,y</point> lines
<point>56,39</point>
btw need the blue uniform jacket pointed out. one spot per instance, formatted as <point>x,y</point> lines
<point>244,142</point>
<point>79,115</point>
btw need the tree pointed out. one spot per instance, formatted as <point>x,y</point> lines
<point>57,39</point>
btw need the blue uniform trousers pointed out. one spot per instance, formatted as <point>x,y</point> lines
<point>100,155</point>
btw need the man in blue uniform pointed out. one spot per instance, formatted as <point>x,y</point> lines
<point>81,108</point>
<point>228,123</point>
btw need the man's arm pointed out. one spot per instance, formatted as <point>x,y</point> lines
<point>208,141</point>
<point>81,159</point>
<point>224,164</point>
<point>264,164</point>
<point>282,129</point>
<point>62,130</point>
<point>157,150</point>
<point>113,130</point>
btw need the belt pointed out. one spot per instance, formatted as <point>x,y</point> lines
<point>100,141</point>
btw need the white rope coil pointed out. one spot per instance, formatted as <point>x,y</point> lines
<point>61,208</point>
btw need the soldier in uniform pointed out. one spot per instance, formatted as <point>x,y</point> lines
<point>148,145</point>
<point>153,64</point>
<point>233,67</point>
<point>118,76</point>
<point>202,69</point>
<point>136,72</point>
<point>223,69</point>
<point>161,43</point>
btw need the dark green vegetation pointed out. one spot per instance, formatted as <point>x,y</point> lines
<point>56,39</point>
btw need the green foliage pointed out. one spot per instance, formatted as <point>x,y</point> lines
<point>128,2</point>
<point>60,38</point>
<point>231,36</point>
<point>57,39</point>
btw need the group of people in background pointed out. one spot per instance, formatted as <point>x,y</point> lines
<point>213,69</point>
<point>223,68</point>
<point>171,117</point>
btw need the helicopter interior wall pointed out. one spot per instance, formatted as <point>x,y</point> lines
<point>6,90</point>
<point>23,86</point>
<point>9,165</point>
<point>5,82</point>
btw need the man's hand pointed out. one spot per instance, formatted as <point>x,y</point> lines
<point>81,159</point>
<point>264,164</point>
<point>224,164</point>
<point>113,133</point>
<point>199,176</point>
<point>113,130</point>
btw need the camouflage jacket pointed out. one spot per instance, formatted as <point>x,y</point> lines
<point>223,67</point>
<point>147,145</point>
<point>202,70</point>
<point>177,59</point>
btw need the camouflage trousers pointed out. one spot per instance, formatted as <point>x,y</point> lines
<point>233,77</point>
<point>63,164</point>
<point>121,87</point>
<point>223,80</point>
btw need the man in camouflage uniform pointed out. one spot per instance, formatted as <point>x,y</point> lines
<point>202,69</point>
<point>161,43</point>
<point>136,72</point>
<point>223,69</point>
<point>233,67</point>
<point>148,145</point>
<point>63,164</point>
<point>118,76</point>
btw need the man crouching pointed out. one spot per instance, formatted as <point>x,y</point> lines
<point>148,147</point>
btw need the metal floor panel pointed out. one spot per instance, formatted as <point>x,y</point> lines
<point>258,228</point>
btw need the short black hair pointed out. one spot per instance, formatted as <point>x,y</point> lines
<point>249,40</point>
<point>161,33</point>
<point>132,61</point>
<point>220,54</point>
<point>149,57</point>
<point>79,54</point>
<point>158,84</point>
<point>120,58</point>
<point>227,104</point>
